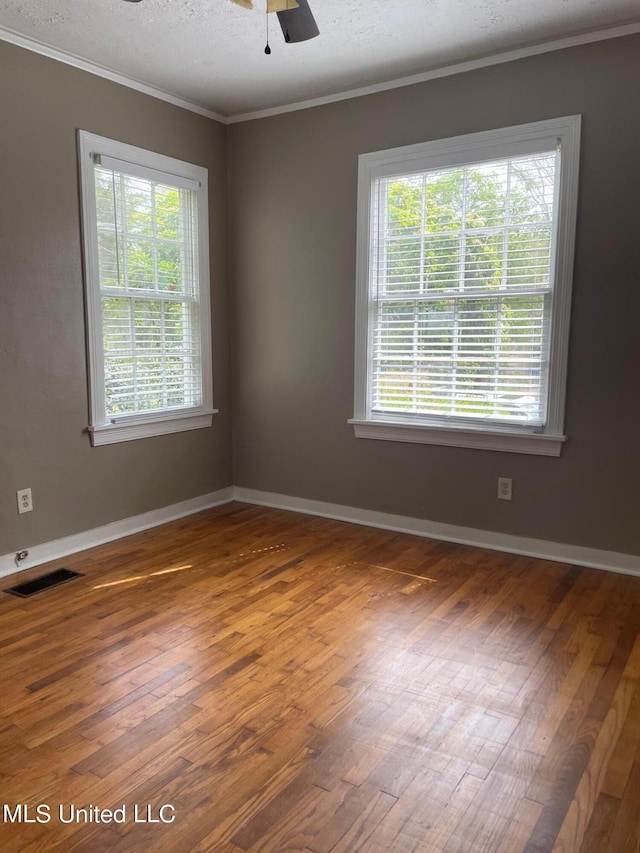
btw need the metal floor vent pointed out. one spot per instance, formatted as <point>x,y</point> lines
<point>29,588</point>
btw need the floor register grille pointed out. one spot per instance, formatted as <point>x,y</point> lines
<point>32,587</point>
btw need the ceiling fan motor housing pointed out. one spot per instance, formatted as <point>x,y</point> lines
<point>298,24</point>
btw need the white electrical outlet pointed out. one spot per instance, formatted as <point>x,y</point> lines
<point>504,488</point>
<point>25,501</point>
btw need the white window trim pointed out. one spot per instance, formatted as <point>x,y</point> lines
<point>102,429</point>
<point>503,142</point>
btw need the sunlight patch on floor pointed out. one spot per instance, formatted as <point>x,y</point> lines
<point>142,577</point>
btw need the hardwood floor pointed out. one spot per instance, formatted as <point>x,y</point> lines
<point>289,683</point>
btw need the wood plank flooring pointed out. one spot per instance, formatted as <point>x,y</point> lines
<point>289,683</point>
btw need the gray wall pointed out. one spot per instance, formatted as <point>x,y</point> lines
<point>293,228</point>
<point>291,242</point>
<point>43,383</point>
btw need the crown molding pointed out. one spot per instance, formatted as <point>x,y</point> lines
<point>47,50</point>
<point>443,71</point>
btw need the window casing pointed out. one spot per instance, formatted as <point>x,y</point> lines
<point>145,229</point>
<point>464,272</point>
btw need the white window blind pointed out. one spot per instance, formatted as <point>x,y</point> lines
<point>461,278</point>
<point>147,285</point>
<point>147,245</point>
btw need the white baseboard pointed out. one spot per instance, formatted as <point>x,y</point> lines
<point>59,548</point>
<point>610,561</point>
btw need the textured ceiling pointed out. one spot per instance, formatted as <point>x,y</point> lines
<point>210,52</point>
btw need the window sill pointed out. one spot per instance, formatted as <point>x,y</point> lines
<point>509,441</point>
<point>129,430</point>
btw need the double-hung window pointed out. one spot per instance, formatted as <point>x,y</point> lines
<point>147,291</point>
<point>464,275</point>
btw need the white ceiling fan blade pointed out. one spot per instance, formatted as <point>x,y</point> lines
<point>281,5</point>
